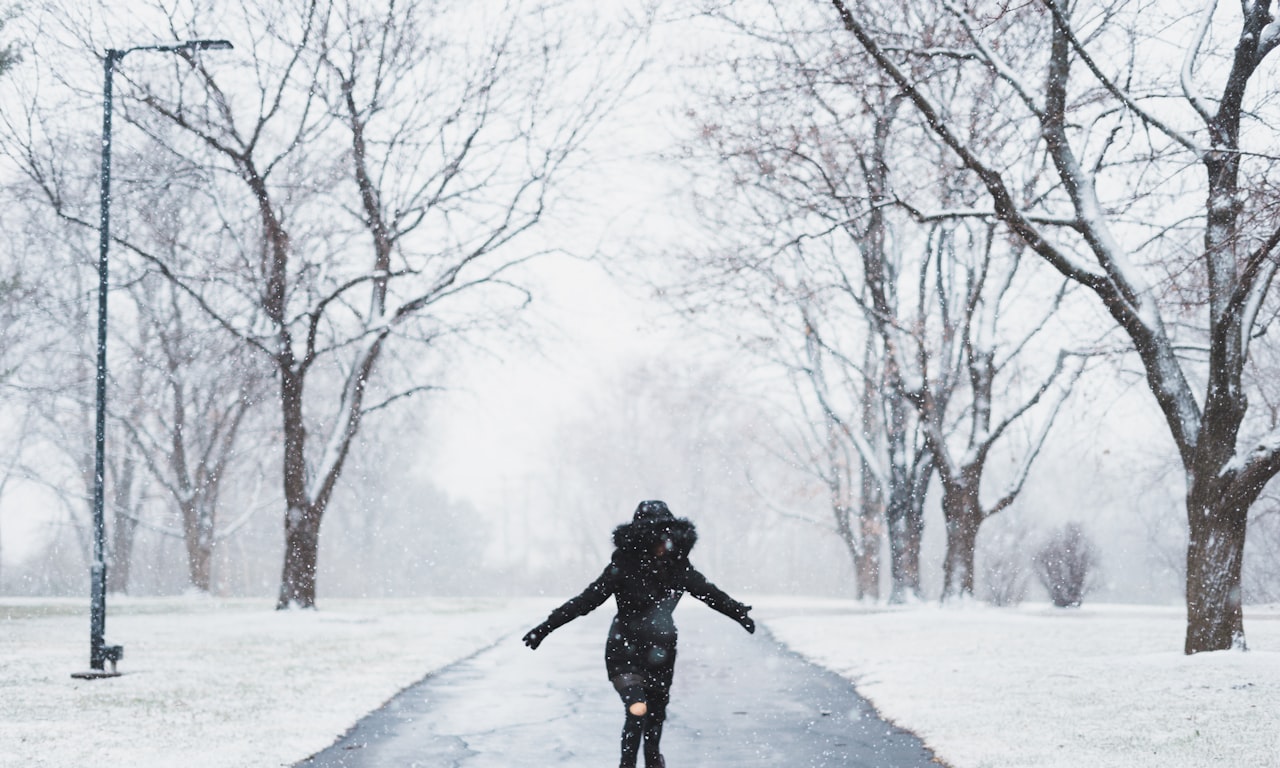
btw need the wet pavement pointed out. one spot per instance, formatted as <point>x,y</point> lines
<point>738,700</point>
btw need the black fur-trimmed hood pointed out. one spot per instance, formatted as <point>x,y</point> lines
<point>652,524</point>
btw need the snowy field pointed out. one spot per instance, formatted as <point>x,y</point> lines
<point>1038,687</point>
<point>234,684</point>
<point>220,683</point>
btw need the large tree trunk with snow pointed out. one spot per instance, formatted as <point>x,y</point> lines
<point>301,551</point>
<point>1215,554</point>
<point>1218,502</point>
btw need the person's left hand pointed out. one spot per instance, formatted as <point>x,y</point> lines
<point>746,621</point>
<point>535,636</point>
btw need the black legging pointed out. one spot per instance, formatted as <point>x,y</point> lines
<point>641,666</point>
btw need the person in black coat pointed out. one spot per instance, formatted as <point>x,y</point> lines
<point>647,575</point>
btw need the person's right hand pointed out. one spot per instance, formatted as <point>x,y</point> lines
<point>535,636</point>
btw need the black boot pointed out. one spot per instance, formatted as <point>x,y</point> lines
<point>653,737</point>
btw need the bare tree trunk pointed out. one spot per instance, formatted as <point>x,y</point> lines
<point>123,529</point>
<point>123,524</point>
<point>122,535</point>
<point>914,522</point>
<point>862,542</point>
<point>301,547</point>
<point>904,549</point>
<point>963,520</point>
<point>903,516</point>
<point>301,522</point>
<point>866,564</point>
<point>1215,554</point>
<point>198,537</point>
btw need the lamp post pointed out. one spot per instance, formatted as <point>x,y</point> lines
<point>99,651</point>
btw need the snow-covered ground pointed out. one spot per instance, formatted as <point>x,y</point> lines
<point>234,684</point>
<point>1102,686</point>
<point>220,683</point>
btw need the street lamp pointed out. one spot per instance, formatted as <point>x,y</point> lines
<point>99,651</point>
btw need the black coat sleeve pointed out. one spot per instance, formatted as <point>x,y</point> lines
<point>698,586</point>
<point>591,598</point>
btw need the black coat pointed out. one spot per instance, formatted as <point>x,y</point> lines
<point>647,575</point>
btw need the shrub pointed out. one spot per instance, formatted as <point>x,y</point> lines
<point>1066,565</point>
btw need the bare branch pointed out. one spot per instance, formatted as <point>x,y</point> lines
<point>1065,24</point>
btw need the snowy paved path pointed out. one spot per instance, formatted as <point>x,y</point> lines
<point>738,700</point>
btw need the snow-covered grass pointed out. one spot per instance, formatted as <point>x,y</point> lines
<point>234,684</point>
<point>1103,686</point>
<point>220,683</point>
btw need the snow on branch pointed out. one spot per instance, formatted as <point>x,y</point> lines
<point>1269,39</point>
<point>1251,471</point>
<point>1188,64</point>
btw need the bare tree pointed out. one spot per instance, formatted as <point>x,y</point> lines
<point>836,180</point>
<point>185,424</point>
<point>827,450</point>
<point>163,365</point>
<point>802,250</point>
<point>48,367</point>
<point>973,292</point>
<point>1105,223</point>
<point>392,165</point>
<point>868,438</point>
<point>358,178</point>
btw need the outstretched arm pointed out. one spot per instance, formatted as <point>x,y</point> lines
<point>591,598</point>
<point>715,597</point>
